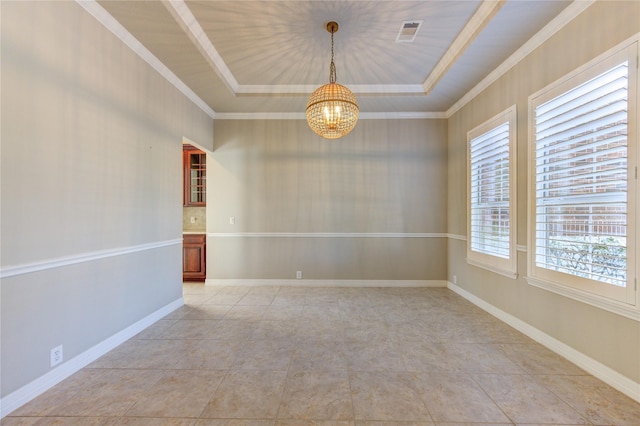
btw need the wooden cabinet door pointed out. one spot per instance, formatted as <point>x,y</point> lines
<point>194,258</point>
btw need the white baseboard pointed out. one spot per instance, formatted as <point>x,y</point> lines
<point>324,283</point>
<point>45,382</point>
<point>590,365</point>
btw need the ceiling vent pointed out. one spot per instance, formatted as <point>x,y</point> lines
<point>408,31</point>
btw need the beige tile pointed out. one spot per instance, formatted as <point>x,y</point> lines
<point>321,296</point>
<point>211,355</point>
<point>317,395</point>
<point>111,393</point>
<point>59,394</point>
<point>288,299</point>
<point>430,356</point>
<point>320,330</point>
<point>208,311</point>
<point>419,350</point>
<point>247,395</point>
<point>281,312</point>
<point>387,396</point>
<point>327,312</point>
<point>300,422</point>
<point>275,330</point>
<point>392,423</point>
<point>360,313</point>
<point>290,290</point>
<point>491,330</point>
<point>198,288</point>
<point>154,330</point>
<point>196,299</point>
<point>179,313</point>
<point>234,330</point>
<point>381,356</point>
<point>225,299</point>
<point>234,422</point>
<point>363,331</point>
<point>325,355</point>
<point>451,331</point>
<point>455,397</point>
<point>59,421</point>
<point>412,331</point>
<point>181,393</point>
<point>235,290</point>
<point>483,358</point>
<point>247,312</point>
<point>256,299</point>
<point>524,400</point>
<point>145,354</point>
<point>21,421</point>
<point>269,290</point>
<point>190,329</point>
<point>150,421</point>
<point>536,359</point>
<point>265,355</point>
<point>594,400</point>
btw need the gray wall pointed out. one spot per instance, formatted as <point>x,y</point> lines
<point>606,337</point>
<point>276,176</point>
<point>91,162</point>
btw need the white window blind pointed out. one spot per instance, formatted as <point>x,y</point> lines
<point>581,179</point>
<point>491,212</point>
<point>489,192</point>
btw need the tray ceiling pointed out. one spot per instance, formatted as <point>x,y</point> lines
<point>243,58</point>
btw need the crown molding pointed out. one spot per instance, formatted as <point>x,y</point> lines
<point>190,25</point>
<point>302,116</point>
<point>110,23</point>
<point>563,18</point>
<point>485,12</point>
<point>327,235</point>
<point>307,89</point>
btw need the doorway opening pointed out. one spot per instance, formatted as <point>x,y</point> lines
<point>194,212</point>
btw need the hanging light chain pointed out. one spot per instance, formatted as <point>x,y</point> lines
<point>332,67</point>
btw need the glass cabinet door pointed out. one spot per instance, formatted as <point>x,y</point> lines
<point>195,176</point>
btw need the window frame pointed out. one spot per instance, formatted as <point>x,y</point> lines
<point>503,266</point>
<point>621,300</point>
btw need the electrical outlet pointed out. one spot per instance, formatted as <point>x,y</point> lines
<point>232,220</point>
<point>192,219</point>
<point>455,279</point>
<point>298,275</point>
<point>56,356</point>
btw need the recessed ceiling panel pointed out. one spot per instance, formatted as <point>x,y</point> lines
<point>286,42</point>
<point>275,53</point>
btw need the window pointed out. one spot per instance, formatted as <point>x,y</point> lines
<point>491,203</point>
<point>582,153</point>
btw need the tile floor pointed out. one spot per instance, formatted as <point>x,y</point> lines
<point>283,356</point>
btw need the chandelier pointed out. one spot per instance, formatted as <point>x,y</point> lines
<point>332,110</point>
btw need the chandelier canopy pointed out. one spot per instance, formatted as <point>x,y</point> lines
<point>332,109</point>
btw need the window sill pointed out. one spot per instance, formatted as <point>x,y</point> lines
<point>623,309</point>
<point>504,272</point>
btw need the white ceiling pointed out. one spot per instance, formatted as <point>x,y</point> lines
<point>265,57</point>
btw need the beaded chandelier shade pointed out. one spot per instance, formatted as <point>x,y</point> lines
<point>332,110</point>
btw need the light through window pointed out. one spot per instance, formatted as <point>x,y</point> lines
<point>491,213</point>
<point>581,179</point>
<point>583,152</point>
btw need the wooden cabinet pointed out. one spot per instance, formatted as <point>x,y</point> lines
<point>193,257</point>
<point>195,176</point>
